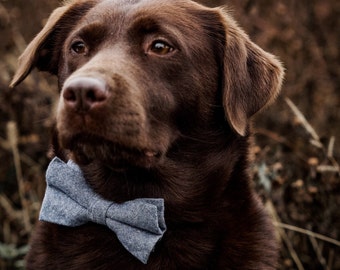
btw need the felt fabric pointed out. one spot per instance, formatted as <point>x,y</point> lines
<point>69,201</point>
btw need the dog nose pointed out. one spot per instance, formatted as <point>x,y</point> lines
<point>84,93</point>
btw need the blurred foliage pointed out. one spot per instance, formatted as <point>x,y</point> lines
<point>295,150</point>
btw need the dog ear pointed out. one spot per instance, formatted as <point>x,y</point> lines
<point>44,50</point>
<point>252,77</point>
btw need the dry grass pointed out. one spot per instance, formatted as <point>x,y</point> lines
<point>296,148</point>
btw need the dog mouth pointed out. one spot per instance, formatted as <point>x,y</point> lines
<point>87,148</point>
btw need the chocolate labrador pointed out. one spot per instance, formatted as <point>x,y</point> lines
<point>155,102</point>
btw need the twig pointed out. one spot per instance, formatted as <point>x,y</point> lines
<point>272,135</point>
<point>18,39</point>
<point>6,204</point>
<point>330,149</point>
<point>284,236</point>
<point>318,253</point>
<point>280,139</point>
<point>12,137</point>
<point>4,144</point>
<point>304,123</point>
<point>315,140</point>
<point>23,157</point>
<point>307,232</point>
<point>327,168</point>
<point>331,258</point>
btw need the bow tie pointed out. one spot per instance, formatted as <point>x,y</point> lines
<point>69,201</point>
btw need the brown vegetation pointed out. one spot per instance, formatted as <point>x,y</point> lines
<point>296,147</point>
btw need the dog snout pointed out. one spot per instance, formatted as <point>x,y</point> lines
<point>83,94</point>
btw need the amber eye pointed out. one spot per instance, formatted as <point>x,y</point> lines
<point>161,47</point>
<point>79,47</point>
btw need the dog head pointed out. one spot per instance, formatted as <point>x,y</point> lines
<point>137,75</point>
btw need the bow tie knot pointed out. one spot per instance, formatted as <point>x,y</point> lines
<point>95,212</point>
<point>69,201</point>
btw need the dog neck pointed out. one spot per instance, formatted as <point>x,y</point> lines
<point>207,174</point>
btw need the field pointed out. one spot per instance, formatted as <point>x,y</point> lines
<point>296,145</point>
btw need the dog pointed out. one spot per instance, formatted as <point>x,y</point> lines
<point>156,99</point>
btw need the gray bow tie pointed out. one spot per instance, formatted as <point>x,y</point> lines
<point>69,201</point>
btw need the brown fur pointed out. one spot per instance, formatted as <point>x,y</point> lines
<point>172,126</point>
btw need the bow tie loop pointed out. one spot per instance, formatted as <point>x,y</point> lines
<point>69,201</point>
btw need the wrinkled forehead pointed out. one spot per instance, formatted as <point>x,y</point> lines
<point>130,5</point>
<point>177,16</point>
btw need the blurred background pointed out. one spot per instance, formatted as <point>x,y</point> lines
<point>296,147</point>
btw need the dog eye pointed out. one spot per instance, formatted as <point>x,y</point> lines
<point>161,47</point>
<point>79,47</point>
